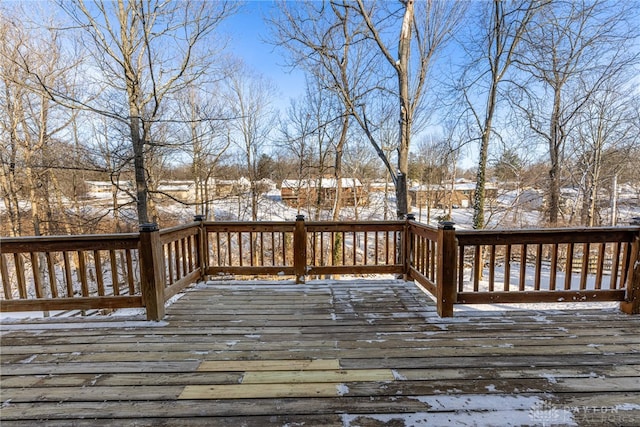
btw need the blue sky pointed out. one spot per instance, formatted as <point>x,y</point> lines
<point>247,32</point>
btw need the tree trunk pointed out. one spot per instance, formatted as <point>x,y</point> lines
<point>555,142</point>
<point>338,168</point>
<point>402,68</point>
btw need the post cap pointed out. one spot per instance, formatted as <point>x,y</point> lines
<point>299,217</point>
<point>199,217</point>
<point>411,217</point>
<point>148,227</point>
<point>446,225</point>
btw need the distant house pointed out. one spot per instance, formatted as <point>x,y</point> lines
<point>98,188</point>
<point>224,187</point>
<point>461,194</point>
<point>235,187</point>
<point>322,192</point>
<point>104,189</point>
<point>181,190</point>
<point>381,186</point>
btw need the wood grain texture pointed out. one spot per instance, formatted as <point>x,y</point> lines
<point>340,353</point>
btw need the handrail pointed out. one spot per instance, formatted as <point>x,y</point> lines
<point>457,266</point>
<point>546,235</point>
<point>62,243</point>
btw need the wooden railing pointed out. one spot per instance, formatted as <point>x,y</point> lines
<point>70,272</point>
<point>526,266</point>
<point>457,267</point>
<point>249,249</point>
<point>303,249</point>
<point>181,249</point>
<point>375,247</point>
<point>518,266</point>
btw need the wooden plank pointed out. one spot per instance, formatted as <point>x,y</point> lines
<point>99,278</point>
<point>178,286</point>
<point>4,273</point>
<point>183,256</point>
<point>261,391</point>
<point>600,268</point>
<point>460,268</point>
<point>366,347</point>
<point>268,365</point>
<point>37,277</point>
<point>492,267</point>
<point>353,226</point>
<point>538,271</point>
<point>523,267</point>
<point>130,273</point>
<point>91,393</point>
<point>507,268</point>
<point>317,376</point>
<point>169,262</point>
<point>83,242</point>
<point>248,270</point>
<point>615,267</point>
<point>568,272</point>
<point>355,269</point>
<point>546,236</point>
<point>554,267</point>
<point>425,282</point>
<point>79,303</point>
<point>115,283</point>
<point>231,226</point>
<point>82,272</point>
<point>53,286</point>
<point>169,235</point>
<point>22,281</point>
<point>584,272</point>
<point>539,296</point>
<point>98,368</point>
<point>477,267</point>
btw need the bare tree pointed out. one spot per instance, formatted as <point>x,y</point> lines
<point>32,155</point>
<point>313,133</point>
<point>250,96</point>
<point>602,143</point>
<point>207,145</point>
<point>145,52</point>
<point>324,39</point>
<point>501,28</point>
<point>425,28</point>
<point>344,42</point>
<point>570,52</point>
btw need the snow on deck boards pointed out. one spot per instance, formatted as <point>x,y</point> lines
<point>349,353</point>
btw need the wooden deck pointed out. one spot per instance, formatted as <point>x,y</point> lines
<point>358,353</point>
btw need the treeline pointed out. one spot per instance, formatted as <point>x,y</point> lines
<point>542,93</point>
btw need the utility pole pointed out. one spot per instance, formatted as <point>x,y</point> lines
<point>614,201</point>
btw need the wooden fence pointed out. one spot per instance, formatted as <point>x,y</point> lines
<point>526,266</point>
<point>146,269</point>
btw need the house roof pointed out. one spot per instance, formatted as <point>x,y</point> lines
<point>321,183</point>
<point>458,186</point>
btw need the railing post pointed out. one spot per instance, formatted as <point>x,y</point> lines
<point>631,305</point>
<point>300,249</point>
<point>446,280</point>
<point>152,274</point>
<point>408,247</point>
<point>202,246</point>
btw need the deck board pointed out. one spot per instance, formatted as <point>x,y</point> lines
<point>346,353</point>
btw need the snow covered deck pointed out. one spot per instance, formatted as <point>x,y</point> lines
<point>346,353</point>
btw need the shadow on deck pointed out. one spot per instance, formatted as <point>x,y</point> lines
<point>365,353</point>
